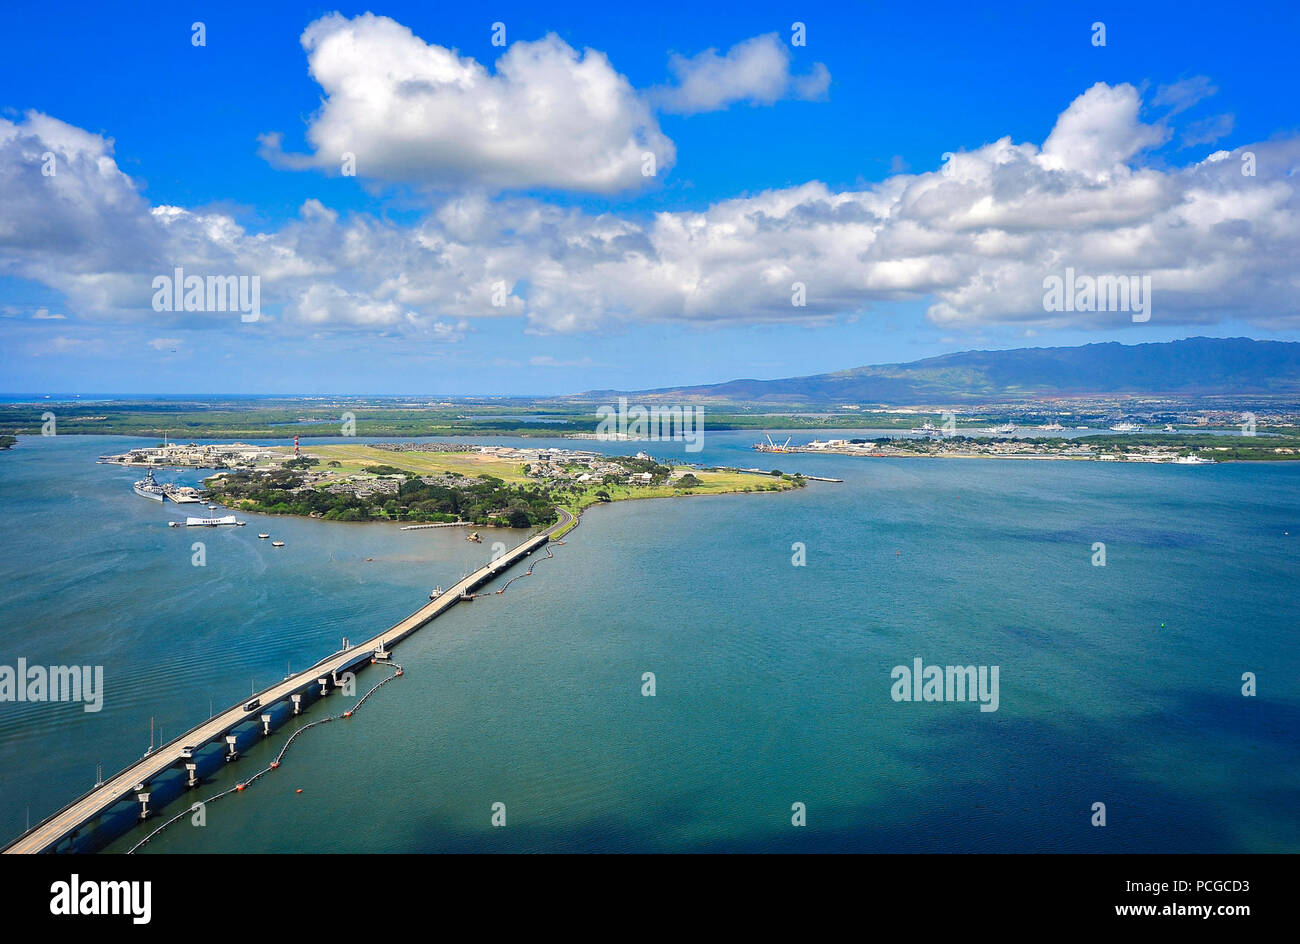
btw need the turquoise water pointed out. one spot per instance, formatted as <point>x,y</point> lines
<point>1118,684</point>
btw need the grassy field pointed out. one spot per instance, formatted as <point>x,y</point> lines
<point>711,483</point>
<point>355,457</point>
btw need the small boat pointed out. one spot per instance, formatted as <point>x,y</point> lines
<point>277,544</point>
<point>173,524</point>
<point>264,535</point>
<point>436,592</point>
<point>1126,428</point>
<point>1169,428</point>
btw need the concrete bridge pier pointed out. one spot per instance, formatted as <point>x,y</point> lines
<point>297,703</point>
<point>193,779</point>
<point>324,686</point>
<point>266,725</point>
<point>143,797</point>
<point>234,754</point>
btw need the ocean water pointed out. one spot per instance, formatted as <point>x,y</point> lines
<point>1118,684</point>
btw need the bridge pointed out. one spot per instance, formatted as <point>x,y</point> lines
<point>46,835</point>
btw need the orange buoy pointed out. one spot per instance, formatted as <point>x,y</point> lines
<point>300,789</point>
<point>241,786</point>
<point>275,764</point>
<point>347,714</point>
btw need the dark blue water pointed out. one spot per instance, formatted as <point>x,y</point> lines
<point>1118,684</point>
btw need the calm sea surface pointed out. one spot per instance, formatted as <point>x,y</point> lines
<point>1118,684</point>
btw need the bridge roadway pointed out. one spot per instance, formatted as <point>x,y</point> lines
<point>47,834</point>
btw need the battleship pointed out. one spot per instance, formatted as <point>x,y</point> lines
<point>148,488</point>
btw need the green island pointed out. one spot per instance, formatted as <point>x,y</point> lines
<point>429,483</point>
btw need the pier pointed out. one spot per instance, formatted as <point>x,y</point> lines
<point>133,782</point>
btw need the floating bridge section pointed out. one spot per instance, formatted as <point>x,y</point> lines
<point>47,835</point>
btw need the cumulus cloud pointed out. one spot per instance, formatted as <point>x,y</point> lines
<point>415,112</point>
<point>755,70</point>
<point>1100,132</point>
<point>975,238</point>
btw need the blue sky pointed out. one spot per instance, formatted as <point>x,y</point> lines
<point>376,283</point>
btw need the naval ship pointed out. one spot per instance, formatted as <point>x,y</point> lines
<point>148,488</point>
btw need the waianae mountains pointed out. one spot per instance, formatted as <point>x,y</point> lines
<point>1188,368</point>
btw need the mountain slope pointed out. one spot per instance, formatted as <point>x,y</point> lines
<point>1191,367</point>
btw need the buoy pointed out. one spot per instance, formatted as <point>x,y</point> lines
<point>275,764</point>
<point>347,714</point>
<point>241,786</point>
<point>300,789</point>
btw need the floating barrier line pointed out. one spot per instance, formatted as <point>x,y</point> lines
<point>273,765</point>
<point>529,572</point>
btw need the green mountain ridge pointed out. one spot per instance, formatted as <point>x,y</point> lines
<point>1190,367</point>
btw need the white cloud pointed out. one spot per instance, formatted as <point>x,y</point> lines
<point>755,70</point>
<point>1182,95</point>
<point>1100,132</point>
<point>1208,130</point>
<point>976,242</point>
<point>165,344</point>
<point>418,113</point>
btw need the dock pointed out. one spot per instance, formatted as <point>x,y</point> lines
<point>133,782</point>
